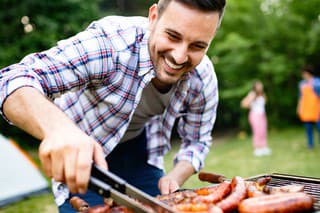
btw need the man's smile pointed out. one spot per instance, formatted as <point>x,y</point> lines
<point>172,65</point>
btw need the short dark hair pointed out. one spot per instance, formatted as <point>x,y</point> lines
<point>308,68</point>
<point>204,5</point>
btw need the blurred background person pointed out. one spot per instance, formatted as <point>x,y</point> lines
<point>255,101</point>
<point>308,108</point>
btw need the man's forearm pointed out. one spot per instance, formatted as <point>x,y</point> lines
<point>29,110</point>
<point>182,171</point>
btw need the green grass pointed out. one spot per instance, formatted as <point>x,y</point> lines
<point>234,156</point>
<point>230,155</point>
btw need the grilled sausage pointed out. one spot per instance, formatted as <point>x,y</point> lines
<point>281,189</point>
<point>254,192</point>
<point>214,209</point>
<point>262,181</point>
<point>120,209</point>
<point>238,193</point>
<point>177,197</point>
<point>256,188</point>
<point>284,202</point>
<point>99,209</point>
<point>79,204</point>
<point>191,207</point>
<point>211,177</point>
<point>214,195</point>
<point>197,208</point>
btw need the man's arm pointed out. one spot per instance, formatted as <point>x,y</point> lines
<point>176,177</point>
<point>66,152</point>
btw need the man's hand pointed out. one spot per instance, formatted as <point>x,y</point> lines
<point>168,185</point>
<point>176,177</point>
<point>67,156</point>
<point>66,152</point>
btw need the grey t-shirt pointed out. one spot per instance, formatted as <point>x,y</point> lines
<point>152,103</point>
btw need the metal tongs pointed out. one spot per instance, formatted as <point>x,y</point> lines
<point>107,184</point>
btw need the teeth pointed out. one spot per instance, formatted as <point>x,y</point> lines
<point>173,66</point>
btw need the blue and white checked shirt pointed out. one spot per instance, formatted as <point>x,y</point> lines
<point>97,76</point>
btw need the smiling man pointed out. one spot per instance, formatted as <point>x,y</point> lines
<point>112,93</point>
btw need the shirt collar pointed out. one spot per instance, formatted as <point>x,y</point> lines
<point>145,63</point>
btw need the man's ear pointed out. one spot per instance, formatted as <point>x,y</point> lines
<point>153,15</point>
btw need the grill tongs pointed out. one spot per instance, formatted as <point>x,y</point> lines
<point>107,184</point>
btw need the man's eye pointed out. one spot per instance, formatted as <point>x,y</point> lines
<point>199,47</point>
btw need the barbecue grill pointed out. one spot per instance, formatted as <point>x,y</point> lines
<point>311,184</point>
<point>311,187</point>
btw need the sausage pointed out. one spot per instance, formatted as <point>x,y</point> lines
<point>120,209</point>
<point>79,204</point>
<point>177,197</point>
<point>197,208</point>
<point>284,202</point>
<point>262,181</point>
<point>205,190</point>
<point>238,193</point>
<point>211,177</point>
<point>191,207</point>
<point>214,209</point>
<point>281,189</point>
<point>253,191</point>
<point>99,209</point>
<point>257,188</point>
<point>214,195</point>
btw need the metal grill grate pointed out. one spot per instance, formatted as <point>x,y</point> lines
<point>311,185</point>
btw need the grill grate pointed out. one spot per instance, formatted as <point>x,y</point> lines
<point>311,185</point>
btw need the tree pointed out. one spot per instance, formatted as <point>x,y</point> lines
<point>268,40</point>
<point>33,25</point>
<point>48,22</point>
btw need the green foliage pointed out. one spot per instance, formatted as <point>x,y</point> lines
<point>127,7</point>
<point>267,40</point>
<point>51,21</point>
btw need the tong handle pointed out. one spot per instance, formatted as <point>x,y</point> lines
<point>108,177</point>
<point>211,177</point>
<point>99,187</point>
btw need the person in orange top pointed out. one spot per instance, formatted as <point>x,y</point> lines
<point>308,108</point>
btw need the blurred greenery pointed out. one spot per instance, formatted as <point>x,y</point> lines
<point>267,40</point>
<point>50,21</point>
<point>259,39</point>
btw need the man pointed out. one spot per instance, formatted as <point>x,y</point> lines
<point>118,88</point>
<point>308,108</point>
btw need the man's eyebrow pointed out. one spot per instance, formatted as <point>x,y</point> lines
<point>171,31</point>
<point>202,43</point>
<point>168,30</point>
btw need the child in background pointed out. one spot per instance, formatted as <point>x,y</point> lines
<point>308,108</point>
<point>255,101</point>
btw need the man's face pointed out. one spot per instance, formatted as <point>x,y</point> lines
<point>179,39</point>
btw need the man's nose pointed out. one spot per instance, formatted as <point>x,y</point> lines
<point>180,54</point>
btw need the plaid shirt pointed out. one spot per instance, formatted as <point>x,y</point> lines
<point>97,76</point>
